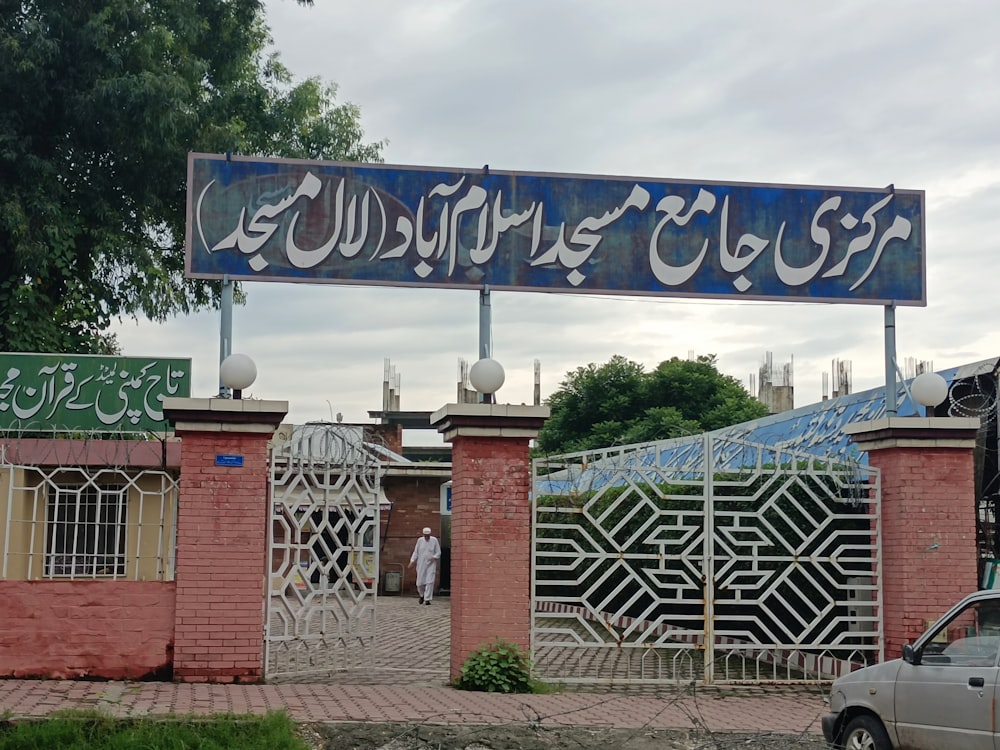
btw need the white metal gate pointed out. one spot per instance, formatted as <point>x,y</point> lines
<point>705,560</point>
<point>324,545</point>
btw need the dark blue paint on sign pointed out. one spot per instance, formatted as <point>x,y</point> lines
<point>289,220</point>
<point>228,459</point>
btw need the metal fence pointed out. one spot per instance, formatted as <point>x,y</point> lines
<point>704,559</point>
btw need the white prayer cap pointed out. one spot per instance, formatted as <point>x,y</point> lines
<point>427,529</point>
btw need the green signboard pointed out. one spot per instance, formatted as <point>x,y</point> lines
<point>80,392</point>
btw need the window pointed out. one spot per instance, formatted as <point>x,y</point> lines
<point>970,639</point>
<point>86,531</point>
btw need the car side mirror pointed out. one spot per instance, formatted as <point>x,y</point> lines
<point>910,654</point>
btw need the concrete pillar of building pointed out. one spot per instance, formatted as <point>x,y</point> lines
<point>929,555</point>
<point>221,536</point>
<point>490,523</point>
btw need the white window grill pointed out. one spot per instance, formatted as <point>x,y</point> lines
<point>87,523</point>
<point>86,531</point>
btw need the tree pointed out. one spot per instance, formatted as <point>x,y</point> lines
<point>618,403</point>
<point>102,101</point>
<point>701,393</point>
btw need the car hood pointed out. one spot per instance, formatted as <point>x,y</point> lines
<point>886,671</point>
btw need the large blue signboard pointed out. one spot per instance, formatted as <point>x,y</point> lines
<point>373,224</point>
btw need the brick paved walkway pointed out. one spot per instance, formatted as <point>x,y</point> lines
<point>412,647</point>
<point>756,711</point>
<point>409,684</point>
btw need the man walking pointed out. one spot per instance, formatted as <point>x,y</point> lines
<point>426,554</point>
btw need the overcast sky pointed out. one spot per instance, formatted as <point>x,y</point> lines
<point>851,93</point>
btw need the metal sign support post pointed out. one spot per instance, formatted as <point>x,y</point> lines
<point>485,337</point>
<point>225,329</point>
<point>485,324</point>
<point>890,360</point>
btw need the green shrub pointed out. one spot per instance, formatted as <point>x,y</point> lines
<point>498,667</point>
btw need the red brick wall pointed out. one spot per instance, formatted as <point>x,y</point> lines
<point>929,556</point>
<point>389,434</point>
<point>221,544</point>
<point>416,502</point>
<point>71,629</point>
<point>491,544</point>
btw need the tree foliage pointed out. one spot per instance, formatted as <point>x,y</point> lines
<point>618,403</point>
<point>102,101</point>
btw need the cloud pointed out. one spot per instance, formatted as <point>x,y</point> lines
<point>850,93</point>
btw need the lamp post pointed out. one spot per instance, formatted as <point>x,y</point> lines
<point>486,376</point>
<point>929,389</point>
<point>237,372</point>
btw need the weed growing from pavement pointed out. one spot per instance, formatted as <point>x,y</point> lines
<point>499,667</point>
<point>94,731</point>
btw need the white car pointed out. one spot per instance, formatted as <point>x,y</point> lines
<point>942,695</point>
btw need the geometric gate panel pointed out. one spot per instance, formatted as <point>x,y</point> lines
<point>705,559</point>
<point>324,552</point>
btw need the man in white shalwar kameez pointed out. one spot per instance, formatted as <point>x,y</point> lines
<point>426,554</point>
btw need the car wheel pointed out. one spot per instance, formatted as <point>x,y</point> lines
<point>865,733</point>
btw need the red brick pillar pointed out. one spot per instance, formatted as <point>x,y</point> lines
<point>221,536</point>
<point>490,523</point>
<point>929,555</point>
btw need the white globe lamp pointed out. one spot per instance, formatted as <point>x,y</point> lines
<point>237,371</point>
<point>486,376</point>
<point>929,389</point>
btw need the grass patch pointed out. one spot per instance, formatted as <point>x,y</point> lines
<point>94,731</point>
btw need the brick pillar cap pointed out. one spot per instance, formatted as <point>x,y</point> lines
<point>914,432</point>
<point>489,420</point>
<point>224,414</point>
